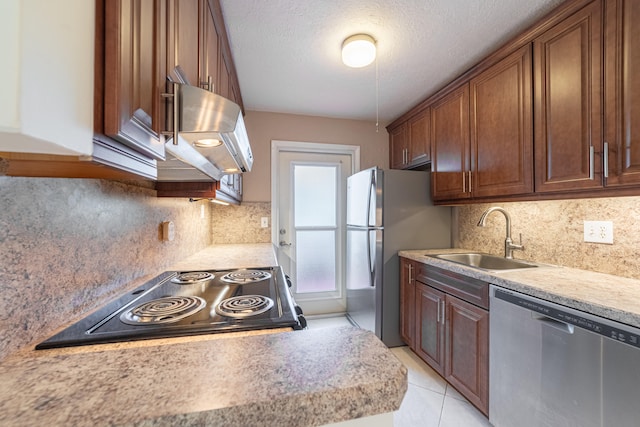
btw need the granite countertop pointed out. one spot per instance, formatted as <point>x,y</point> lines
<point>604,295</point>
<point>259,378</point>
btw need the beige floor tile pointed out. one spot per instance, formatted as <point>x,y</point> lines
<point>420,408</point>
<point>458,413</point>
<point>420,373</point>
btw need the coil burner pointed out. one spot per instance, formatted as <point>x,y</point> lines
<point>244,306</point>
<point>192,277</point>
<point>243,277</point>
<point>163,310</point>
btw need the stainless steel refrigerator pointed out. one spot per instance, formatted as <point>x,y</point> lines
<point>387,211</point>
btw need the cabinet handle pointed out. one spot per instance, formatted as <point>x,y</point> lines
<point>438,317</point>
<point>606,159</point>
<point>469,181</point>
<point>591,162</point>
<point>208,84</point>
<point>464,182</point>
<point>444,313</point>
<point>175,113</point>
<point>410,271</point>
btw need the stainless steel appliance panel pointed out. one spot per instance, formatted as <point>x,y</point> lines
<point>405,219</point>
<point>620,384</point>
<point>364,258</point>
<point>364,191</point>
<point>551,365</point>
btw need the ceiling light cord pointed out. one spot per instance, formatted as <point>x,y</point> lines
<point>377,96</point>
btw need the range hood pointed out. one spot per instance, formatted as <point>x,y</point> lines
<point>209,138</point>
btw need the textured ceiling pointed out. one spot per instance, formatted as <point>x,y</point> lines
<point>287,52</point>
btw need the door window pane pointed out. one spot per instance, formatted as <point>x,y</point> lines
<point>316,261</point>
<point>315,196</point>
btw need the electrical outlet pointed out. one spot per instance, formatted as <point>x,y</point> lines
<point>168,231</point>
<point>598,232</point>
<point>264,222</point>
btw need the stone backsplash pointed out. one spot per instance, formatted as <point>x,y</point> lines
<point>240,224</point>
<point>69,245</point>
<point>553,232</point>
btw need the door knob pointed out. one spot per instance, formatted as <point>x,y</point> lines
<point>283,243</point>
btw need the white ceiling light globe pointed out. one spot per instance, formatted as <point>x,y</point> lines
<point>358,51</point>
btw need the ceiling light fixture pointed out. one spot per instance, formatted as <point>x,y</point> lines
<point>358,50</point>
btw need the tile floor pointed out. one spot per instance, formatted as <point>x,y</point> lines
<point>430,401</point>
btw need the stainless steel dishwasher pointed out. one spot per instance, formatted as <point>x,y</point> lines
<point>551,365</point>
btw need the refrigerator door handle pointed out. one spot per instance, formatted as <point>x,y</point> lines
<point>372,189</point>
<point>371,261</point>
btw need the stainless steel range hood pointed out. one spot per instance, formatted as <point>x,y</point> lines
<point>209,138</point>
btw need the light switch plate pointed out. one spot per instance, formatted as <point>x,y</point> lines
<point>264,222</point>
<point>598,232</point>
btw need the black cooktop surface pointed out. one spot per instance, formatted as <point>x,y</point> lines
<point>188,303</point>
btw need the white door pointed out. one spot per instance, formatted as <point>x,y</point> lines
<point>309,215</point>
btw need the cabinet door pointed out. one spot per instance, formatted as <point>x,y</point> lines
<point>210,51</point>
<point>450,144</point>
<point>134,74</point>
<point>467,351</point>
<point>501,127</point>
<point>398,141</point>
<point>429,338</point>
<point>224,78</point>
<point>568,108</point>
<point>185,38</point>
<point>407,301</point>
<point>420,138</point>
<point>622,92</point>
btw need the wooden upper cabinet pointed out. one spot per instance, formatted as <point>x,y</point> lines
<point>420,138</point>
<point>622,92</point>
<point>227,79</point>
<point>410,142</point>
<point>210,51</point>
<point>450,146</point>
<point>501,127</point>
<point>223,79</point>
<point>398,147</point>
<point>184,38</point>
<point>134,77</point>
<point>568,107</point>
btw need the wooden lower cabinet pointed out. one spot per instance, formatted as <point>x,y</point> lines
<point>467,350</point>
<point>430,326</point>
<point>452,336</point>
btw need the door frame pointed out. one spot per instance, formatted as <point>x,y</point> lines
<point>278,146</point>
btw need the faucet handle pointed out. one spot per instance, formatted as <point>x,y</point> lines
<point>520,246</point>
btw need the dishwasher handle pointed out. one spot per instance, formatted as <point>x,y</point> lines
<point>553,323</point>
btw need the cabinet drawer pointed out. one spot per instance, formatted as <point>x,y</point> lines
<point>466,288</point>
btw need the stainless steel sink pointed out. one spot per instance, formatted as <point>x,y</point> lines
<point>485,261</point>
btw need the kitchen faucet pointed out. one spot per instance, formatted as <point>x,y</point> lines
<point>509,246</point>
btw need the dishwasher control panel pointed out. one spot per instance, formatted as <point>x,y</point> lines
<point>601,326</point>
